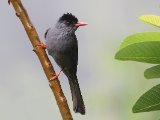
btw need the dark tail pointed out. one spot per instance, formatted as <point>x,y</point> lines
<point>78,104</point>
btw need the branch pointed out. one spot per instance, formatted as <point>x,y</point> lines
<point>43,58</point>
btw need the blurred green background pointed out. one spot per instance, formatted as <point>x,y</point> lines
<point>109,87</point>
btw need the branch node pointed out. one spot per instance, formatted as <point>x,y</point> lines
<point>30,27</point>
<point>34,51</point>
<point>9,2</point>
<point>50,85</point>
<point>62,99</point>
<point>35,48</point>
<point>17,14</point>
<point>48,64</point>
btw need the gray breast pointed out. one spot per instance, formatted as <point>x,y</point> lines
<point>58,41</point>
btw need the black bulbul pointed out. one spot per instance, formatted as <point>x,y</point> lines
<point>62,45</point>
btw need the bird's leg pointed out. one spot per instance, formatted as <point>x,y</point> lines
<point>42,45</point>
<point>55,75</point>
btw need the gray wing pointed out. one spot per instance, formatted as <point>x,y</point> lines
<point>45,34</point>
<point>74,54</point>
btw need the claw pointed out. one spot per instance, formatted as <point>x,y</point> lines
<point>55,76</point>
<point>42,45</point>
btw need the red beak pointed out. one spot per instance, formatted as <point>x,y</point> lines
<point>80,24</point>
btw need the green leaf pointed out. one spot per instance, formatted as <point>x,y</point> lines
<point>151,19</point>
<point>148,52</point>
<point>142,47</point>
<point>140,37</point>
<point>153,72</point>
<point>150,101</point>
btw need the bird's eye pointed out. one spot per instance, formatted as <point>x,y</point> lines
<point>73,22</point>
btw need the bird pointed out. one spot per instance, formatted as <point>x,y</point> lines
<point>62,45</point>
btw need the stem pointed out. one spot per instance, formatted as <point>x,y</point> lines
<point>43,58</point>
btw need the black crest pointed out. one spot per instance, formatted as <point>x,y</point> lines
<point>69,18</point>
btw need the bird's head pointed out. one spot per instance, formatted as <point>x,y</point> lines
<point>69,23</point>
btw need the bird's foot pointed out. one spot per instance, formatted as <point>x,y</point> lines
<point>42,45</point>
<point>55,76</point>
<point>9,2</point>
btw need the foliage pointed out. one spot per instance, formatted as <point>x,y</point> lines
<point>144,47</point>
